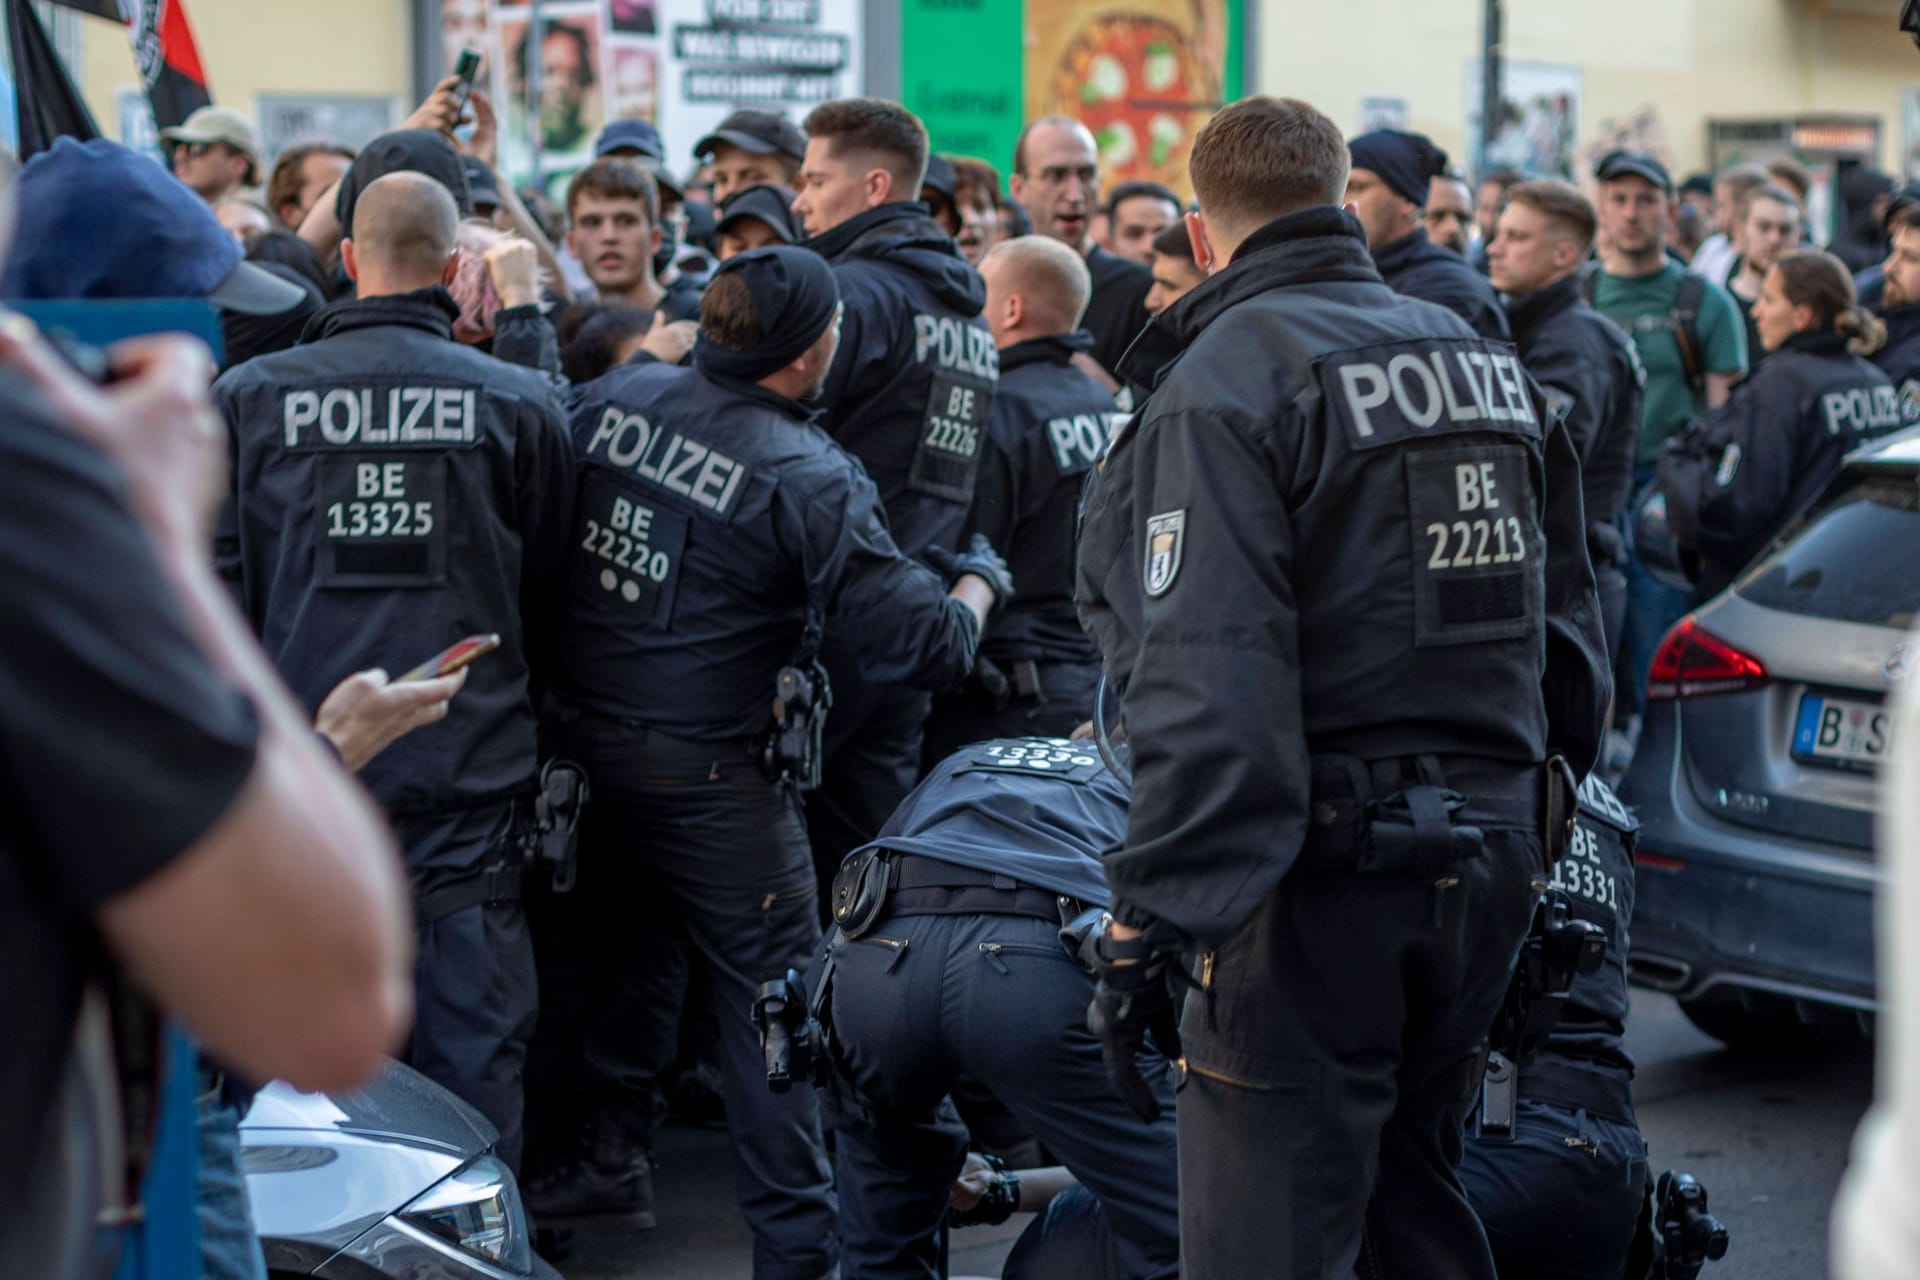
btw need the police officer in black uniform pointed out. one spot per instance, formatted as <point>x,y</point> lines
<point>393,492</point>
<point>1392,173</point>
<point>1733,481</point>
<point>949,961</point>
<point>908,396</point>
<point>1337,572</point>
<point>1570,1138</point>
<point>1585,364</point>
<point>719,531</point>
<point>1037,670</point>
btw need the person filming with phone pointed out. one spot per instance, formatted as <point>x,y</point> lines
<point>393,491</point>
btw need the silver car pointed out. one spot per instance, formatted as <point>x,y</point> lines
<point>397,1179</point>
<point>1755,777</point>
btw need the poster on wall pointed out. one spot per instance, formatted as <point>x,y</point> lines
<point>1539,128</point>
<point>682,64</point>
<point>1910,134</point>
<point>1142,75</point>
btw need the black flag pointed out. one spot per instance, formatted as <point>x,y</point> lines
<point>48,105</point>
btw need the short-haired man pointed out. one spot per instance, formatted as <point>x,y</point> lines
<point>393,491</point>
<point>1714,258</point>
<point>214,152</point>
<point>1584,363</point>
<point>1692,346</point>
<point>1766,225</point>
<point>1175,273</point>
<point>687,597</point>
<point>639,142</point>
<point>303,174</point>
<point>1337,703</point>
<point>1136,213</point>
<point>1037,670</point>
<point>752,148</point>
<point>1056,178</point>
<point>909,396</point>
<point>613,209</point>
<point>1449,213</point>
<point>1900,307</point>
<point>1392,173</point>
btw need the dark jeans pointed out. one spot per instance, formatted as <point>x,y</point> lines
<point>921,1000</point>
<point>229,1249</point>
<point>1652,608</point>
<point>1067,1240</point>
<point>722,852</point>
<point>476,997</point>
<point>872,750</point>
<point>1329,1072</point>
<point>1560,1198</point>
<point>968,714</point>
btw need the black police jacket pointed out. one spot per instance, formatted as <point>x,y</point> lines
<point>1419,268</point>
<point>1734,480</point>
<point>1117,307</point>
<point>910,389</point>
<point>1596,875</point>
<point>1588,369</point>
<point>1041,811</point>
<point>1050,421</point>
<point>393,491</point>
<point>716,523</point>
<point>1342,523</point>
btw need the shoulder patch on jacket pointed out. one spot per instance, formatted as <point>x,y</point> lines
<point>1166,539</point>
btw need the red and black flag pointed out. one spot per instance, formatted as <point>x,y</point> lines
<point>164,50</point>
<point>48,105</point>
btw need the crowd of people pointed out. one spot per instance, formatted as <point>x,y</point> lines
<point>801,484</point>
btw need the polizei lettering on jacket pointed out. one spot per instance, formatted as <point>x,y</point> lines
<point>1864,411</point>
<point>955,344</point>
<point>362,416</point>
<point>1382,395</point>
<point>628,442</point>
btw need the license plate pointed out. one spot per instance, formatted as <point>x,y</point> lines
<point>1841,731</point>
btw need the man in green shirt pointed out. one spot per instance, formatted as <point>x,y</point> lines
<point>1639,288</point>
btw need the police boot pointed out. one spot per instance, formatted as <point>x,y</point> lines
<point>607,1184</point>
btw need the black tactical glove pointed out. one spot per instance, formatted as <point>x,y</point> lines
<point>980,560</point>
<point>997,1204</point>
<point>1132,998</point>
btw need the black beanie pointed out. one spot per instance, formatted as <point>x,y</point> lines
<point>1406,162</point>
<point>796,296</point>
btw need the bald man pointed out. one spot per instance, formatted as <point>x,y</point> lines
<point>392,492</point>
<point>1036,670</point>
<point>1056,175</point>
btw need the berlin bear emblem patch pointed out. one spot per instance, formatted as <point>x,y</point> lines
<point>1165,540</point>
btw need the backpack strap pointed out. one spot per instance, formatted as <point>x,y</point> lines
<point>1685,318</point>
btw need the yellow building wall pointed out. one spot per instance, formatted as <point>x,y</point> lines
<point>250,47</point>
<point>1692,60</point>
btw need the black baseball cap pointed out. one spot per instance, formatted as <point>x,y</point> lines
<point>940,177</point>
<point>770,205</point>
<point>482,189</point>
<point>1633,164</point>
<point>765,133</point>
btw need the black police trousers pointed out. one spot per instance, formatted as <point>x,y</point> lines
<point>922,999</point>
<point>475,994</point>
<point>1560,1198</point>
<point>1331,1056</point>
<point>723,850</point>
<point>971,714</point>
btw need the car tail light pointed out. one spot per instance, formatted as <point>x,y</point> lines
<point>1692,662</point>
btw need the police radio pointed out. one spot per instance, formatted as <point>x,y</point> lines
<point>802,696</point>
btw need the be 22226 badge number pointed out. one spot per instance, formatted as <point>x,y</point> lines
<point>1166,539</point>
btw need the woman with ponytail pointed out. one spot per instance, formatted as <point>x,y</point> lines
<point>1733,482</point>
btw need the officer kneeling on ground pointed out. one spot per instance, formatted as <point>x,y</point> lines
<point>1337,569</point>
<point>951,958</point>
<point>720,534</point>
<point>392,492</point>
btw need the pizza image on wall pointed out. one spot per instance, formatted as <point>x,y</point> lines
<point>1143,79</point>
